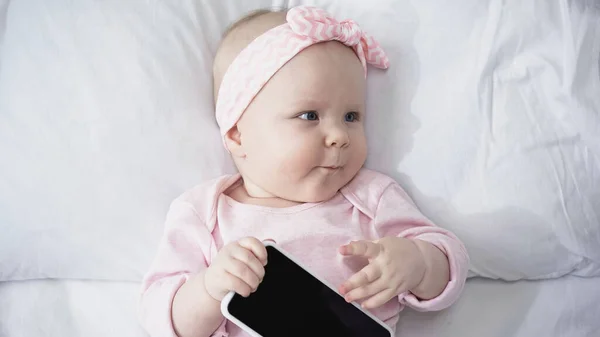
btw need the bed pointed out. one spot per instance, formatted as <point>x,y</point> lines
<point>487,308</point>
<point>489,116</point>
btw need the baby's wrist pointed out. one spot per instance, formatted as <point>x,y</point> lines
<point>420,286</point>
<point>201,285</point>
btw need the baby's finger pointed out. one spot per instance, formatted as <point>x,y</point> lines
<point>379,299</point>
<point>247,258</point>
<point>243,272</point>
<point>256,247</point>
<point>365,291</point>
<point>235,284</point>
<point>365,276</point>
<point>364,248</point>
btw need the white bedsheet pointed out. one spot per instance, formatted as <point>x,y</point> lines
<point>565,307</point>
<point>107,115</point>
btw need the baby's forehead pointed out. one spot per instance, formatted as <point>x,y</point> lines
<point>322,74</point>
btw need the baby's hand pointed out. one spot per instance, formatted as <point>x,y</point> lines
<point>395,265</point>
<point>238,267</point>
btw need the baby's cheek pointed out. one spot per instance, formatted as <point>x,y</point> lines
<point>287,167</point>
<point>359,149</point>
<point>298,161</point>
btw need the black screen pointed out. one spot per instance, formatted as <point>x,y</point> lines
<point>291,302</point>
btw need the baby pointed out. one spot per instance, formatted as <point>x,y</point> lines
<point>290,103</point>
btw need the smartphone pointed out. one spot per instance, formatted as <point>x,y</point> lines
<point>291,301</point>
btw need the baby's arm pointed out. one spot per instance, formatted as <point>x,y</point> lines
<point>444,255</point>
<point>425,265</point>
<point>239,267</point>
<point>174,301</point>
<point>437,271</point>
<point>396,266</point>
<point>195,312</point>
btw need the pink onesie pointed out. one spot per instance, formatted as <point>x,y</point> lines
<point>371,206</point>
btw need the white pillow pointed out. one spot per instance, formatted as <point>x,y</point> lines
<point>487,116</point>
<point>507,150</point>
<point>106,116</point>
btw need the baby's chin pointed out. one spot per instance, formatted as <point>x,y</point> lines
<point>316,197</point>
<point>314,187</point>
<point>313,194</point>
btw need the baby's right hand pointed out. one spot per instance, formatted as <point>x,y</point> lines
<point>239,267</point>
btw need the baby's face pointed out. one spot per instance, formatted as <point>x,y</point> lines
<point>303,135</point>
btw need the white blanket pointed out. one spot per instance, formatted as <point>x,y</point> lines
<point>565,307</point>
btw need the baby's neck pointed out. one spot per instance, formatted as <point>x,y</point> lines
<point>239,193</point>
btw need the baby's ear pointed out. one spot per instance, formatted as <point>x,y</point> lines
<point>233,141</point>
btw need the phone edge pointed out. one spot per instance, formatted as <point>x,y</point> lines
<point>225,311</point>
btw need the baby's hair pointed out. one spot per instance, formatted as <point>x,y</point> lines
<point>247,18</point>
<point>241,33</point>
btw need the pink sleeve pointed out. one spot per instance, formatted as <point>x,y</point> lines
<point>184,250</point>
<point>397,215</point>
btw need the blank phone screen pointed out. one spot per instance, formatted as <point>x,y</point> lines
<point>291,302</point>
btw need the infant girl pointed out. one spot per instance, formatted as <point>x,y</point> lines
<point>290,103</point>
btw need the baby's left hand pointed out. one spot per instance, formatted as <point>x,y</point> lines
<point>395,265</point>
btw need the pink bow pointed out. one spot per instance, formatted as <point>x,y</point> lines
<point>318,25</point>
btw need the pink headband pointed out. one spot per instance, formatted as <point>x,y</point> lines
<point>264,56</point>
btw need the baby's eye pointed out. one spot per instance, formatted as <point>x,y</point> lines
<point>309,116</point>
<point>351,117</point>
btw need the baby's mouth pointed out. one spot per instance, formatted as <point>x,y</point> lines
<point>331,168</point>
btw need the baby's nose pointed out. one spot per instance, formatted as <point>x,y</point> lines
<point>337,137</point>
